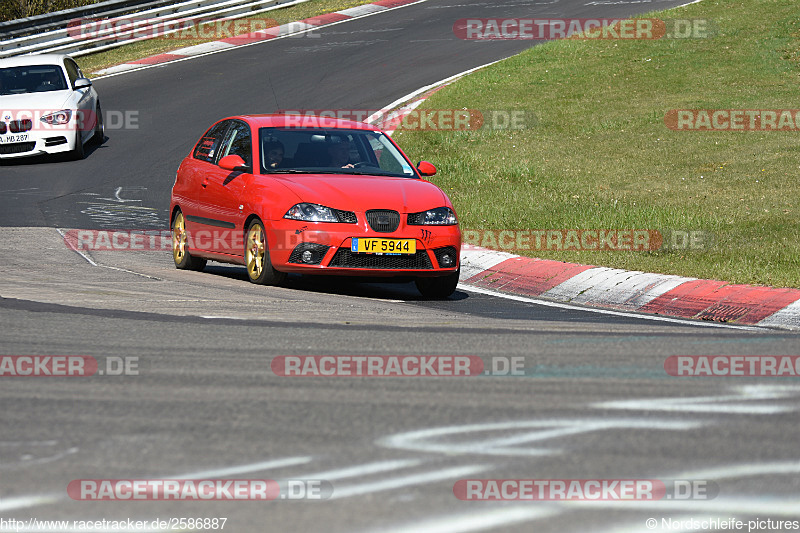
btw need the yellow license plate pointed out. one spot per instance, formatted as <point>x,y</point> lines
<point>383,246</point>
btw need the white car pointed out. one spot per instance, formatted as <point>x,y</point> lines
<point>47,106</point>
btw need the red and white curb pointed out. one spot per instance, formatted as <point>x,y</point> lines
<point>630,291</point>
<point>284,30</point>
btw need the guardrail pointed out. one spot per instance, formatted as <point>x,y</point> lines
<point>74,36</point>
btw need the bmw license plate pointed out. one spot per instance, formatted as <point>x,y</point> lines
<point>14,138</point>
<point>383,246</point>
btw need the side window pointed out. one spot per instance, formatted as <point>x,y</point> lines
<point>73,72</point>
<point>207,147</point>
<point>237,142</point>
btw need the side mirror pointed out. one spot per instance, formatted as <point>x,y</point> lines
<point>82,83</point>
<point>426,169</point>
<point>233,163</point>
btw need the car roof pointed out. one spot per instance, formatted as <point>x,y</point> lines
<point>285,120</point>
<point>33,59</point>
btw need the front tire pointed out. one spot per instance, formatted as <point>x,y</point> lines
<point>183,259</point>
<point>78,152</point>
<point>438,288</point>
<point>99,126</point>
<point>256,257</point>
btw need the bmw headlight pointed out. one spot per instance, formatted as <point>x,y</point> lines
<point>57,118</point>
<point>441,216</point>
<point>312,213</point>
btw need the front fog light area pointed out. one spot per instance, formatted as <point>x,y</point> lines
<point>308,253</point>
<point>447,257</point>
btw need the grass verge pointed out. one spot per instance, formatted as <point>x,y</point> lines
<point>601,156</point>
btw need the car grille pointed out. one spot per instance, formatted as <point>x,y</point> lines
<point>347,259</point>
<point>20,126</point>
<point>383,220</point>
<point>17,148</point>
<point>345,216</point>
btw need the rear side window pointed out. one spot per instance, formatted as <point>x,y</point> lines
<point>207,148</point>
<point>237,142</point>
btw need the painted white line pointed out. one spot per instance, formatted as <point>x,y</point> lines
<point>476,521</point>
<point>431,440</point>
<point>244,469</point>
<point>744,505</point>
<point>630,289</point>
<point>76,250</point>
<point>312,28</point>
<point>22,502</point>
<point>406,481</point>
<point>363,470</point>
<point>358,11</point>
<point>403,99</point>
<point>732,403</point>
<point>788,317</point>
<point>655,318</point>
<point>477,260</point>
<point>739,471</point>
<point>202,48</point>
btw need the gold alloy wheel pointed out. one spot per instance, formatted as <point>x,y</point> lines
<point>255,251</point>
<point>178,239</point>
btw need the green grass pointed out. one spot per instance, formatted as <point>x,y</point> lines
<point>600,155</point>
<point>93,62</point>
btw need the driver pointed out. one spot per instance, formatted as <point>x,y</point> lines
<point>339,153</point>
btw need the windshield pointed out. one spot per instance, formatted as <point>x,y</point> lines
<point>32,79</point>
<point>331,151</point>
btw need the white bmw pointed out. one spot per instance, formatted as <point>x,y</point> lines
<point>47,106</point>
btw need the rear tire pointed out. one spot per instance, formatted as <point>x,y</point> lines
<point>183,259</point>
<point>438,288</point>
<point>256,257</point>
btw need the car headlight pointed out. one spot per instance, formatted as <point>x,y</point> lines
<point>57,118</point>
<point>318,213</point>
<point>441,216</point>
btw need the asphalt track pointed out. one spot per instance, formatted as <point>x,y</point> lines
<point>594,403</point>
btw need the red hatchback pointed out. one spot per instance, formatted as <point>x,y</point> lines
<point>310,195</point>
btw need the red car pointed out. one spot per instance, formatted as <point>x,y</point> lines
<point>311,195</point>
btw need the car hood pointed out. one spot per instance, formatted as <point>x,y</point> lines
<point>35,103</point>
<point>361,193</point>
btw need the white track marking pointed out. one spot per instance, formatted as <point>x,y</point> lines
<point>406,481</point>
<point>315,28</point>
<point>642,316</point>
<point>363,470</point>
<point>244,469</point>
<point>475,521</point>
<point>732,404</point>
<point>22,502</point>
<point>429,440</point>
